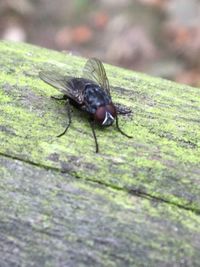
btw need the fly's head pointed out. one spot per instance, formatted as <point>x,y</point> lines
<point>105,115</point>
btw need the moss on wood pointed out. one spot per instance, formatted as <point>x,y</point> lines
<point>146,210</point>
<point>49,218</point>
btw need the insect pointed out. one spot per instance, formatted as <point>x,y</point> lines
<point>90,94</point>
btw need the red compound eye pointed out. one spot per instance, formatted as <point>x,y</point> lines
<point>105,115</point>
<point>99,116</point>
<point>111,109</point>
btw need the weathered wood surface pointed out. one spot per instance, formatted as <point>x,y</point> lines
<point>136,203</point>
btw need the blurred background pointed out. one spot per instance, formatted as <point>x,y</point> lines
<point>159,37</point>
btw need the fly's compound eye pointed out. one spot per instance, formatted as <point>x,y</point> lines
<point>111,109</point>
<point>100,115</point>
<point>105,115</point>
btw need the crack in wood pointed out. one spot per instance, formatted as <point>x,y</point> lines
<point>136,192</point>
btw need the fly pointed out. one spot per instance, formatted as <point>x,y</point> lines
<point>90,94</point>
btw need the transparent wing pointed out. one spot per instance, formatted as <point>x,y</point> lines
<point>72,87</point>
<point>94,70</point>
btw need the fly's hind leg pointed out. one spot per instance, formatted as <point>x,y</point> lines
<point>69,118</point>
<point>64,97</point>
<point>94,134</point>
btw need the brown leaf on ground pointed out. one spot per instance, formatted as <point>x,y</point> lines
<point>191,77</point>
<point>100,20</point>
<point>184,41</point>
<point>131,48</point>
<point>156,3</point>
<point>82,34</point>
<point>68,36</point>
<point>64,38</point>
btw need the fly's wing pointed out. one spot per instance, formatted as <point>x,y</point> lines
<point>71,87</point>
<point>94,70</point>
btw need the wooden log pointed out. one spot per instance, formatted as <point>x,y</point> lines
<point>136,203</point>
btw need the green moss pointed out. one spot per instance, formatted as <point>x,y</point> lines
<point>161,159</point>
<point>47,212</point>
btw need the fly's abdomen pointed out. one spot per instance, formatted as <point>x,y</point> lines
<point>95,97</point>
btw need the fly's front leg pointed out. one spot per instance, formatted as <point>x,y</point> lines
<point>119,129</point>
<point>69,118</point>
<point>94,134</point>
<point>121,109</point>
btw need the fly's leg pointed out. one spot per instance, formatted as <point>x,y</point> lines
<point>94,135</point>
<point>64,97</point>
<point>69,119</point>
<point>118,128</point>
<point>121,109</point>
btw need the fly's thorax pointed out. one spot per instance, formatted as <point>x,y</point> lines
<point>95,97</point>
<point>98,103</point>
<point>105,115</point>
